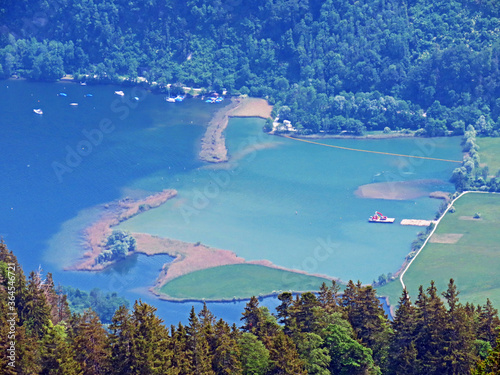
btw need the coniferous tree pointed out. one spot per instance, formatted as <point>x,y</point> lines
<point>284,356</point>
<point>459,335</point>
<point>182,355</point>
<point>56,354</point>
<point>430,331</point>
<point>226,352</point>
<point>150,349</point>
<point>368,319</point>
<point>91,344</point>
<point>121,341</point>
<point>36,312</point>
<point>329,297</point>
<point>402,351</point>
<point>488,323</point>
<point>198,344</point>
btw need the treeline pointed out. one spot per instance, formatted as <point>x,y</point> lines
<point>103,304</point>
<point>324,333</point>
<point>427,65</point>
<point>472,175</point>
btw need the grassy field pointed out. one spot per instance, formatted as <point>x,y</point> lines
<point>488,152</point>
<point>473,261</point>
<point>238,281</point>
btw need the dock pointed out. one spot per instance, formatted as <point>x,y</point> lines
<point>417,223</point>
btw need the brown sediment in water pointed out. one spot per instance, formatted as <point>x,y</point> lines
<point>213,143</point>
<point>396,190</point>
<point>114,213</point>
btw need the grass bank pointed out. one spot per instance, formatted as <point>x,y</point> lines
<point>462,248</point>
<point>239,281</point>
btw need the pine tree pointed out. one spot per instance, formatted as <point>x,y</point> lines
<point>459,335</point>
<point>302,311</point>
<point>198,344</point>
<point>284,356</point>
<point>251,315</point>
<point>402,352</point>
<point>284,312</point>
<point>489,323</point>
<point>121,341</point>
<point>150,344</point>
<point>182,355</point>
<point>226,359</point>
<point>329,297</point>
<point>91,344</point>
<point>56,353</point>
<point>368,319</point>
<point>430,331</point>
<point>36,312</point>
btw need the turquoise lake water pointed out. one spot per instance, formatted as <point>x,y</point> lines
<point>278,199</point>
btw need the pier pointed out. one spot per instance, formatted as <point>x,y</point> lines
<point>417,223</point>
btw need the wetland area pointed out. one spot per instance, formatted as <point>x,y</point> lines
<point>287,212</point>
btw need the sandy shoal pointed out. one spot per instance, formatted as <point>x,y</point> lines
<point>213,143</point>
<point>396,190</point>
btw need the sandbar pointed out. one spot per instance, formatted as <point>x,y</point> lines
<point>112,214</point>
<point>213,143</point>
<point>396,190</point>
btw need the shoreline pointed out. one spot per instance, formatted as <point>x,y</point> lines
<point>189,257</point>
<point>351,136</point>
<point>213,143</point>
<point>112,214</point>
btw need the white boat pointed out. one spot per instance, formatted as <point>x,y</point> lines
<point>170,100</point>
<point>379,218</point>
<point>73,104</point>
<point>38,111</point>
<point>121,93</point>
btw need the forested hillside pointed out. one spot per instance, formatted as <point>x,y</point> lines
<point>326,333</point>
<point>330,65</point>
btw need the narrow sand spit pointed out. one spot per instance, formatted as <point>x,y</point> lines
<point>113,213</point>
<point>213,143</point>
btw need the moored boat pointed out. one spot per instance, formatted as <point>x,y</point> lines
<point>121,93</point>
<point>379,218</point>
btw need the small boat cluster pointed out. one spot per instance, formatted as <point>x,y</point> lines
<point>214,99</point>
<point>39,111</point>
<point>178,98</point>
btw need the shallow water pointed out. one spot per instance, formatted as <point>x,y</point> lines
<point>278,199</point>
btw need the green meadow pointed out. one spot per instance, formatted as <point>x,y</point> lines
<point>462,248</point>
<point>238,281</point>
<point>489,153</point>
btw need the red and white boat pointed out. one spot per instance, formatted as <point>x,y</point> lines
<point>379,218</point>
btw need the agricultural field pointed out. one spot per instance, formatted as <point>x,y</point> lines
<point>464,248</point>
<point>238,281</point>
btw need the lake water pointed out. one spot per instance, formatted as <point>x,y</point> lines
<point>290,202</point>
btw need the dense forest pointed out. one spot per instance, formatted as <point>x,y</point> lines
<point>328,65</point>
<point>328,332</point>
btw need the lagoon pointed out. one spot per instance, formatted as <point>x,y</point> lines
<point>278,199</point>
